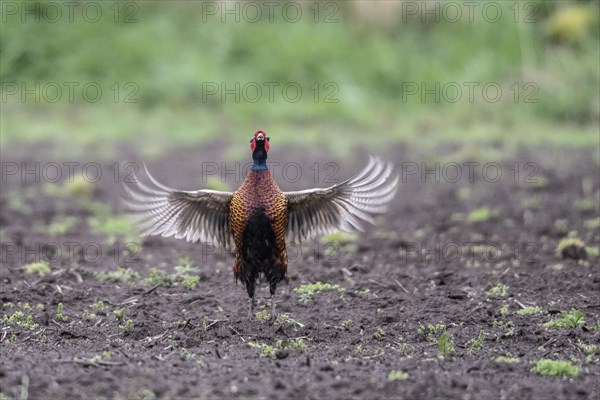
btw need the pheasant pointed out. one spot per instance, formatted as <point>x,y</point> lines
<point>257,219</point>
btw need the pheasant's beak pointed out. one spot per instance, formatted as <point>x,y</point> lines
<point>260,136</point>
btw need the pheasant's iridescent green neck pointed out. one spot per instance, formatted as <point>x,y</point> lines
<point>259,165</point>
<point>259,155</point>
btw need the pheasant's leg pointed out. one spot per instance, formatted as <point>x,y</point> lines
<point>273,289</point>
<point>250,281</point>
<point>289,287</point>
<point>251,310</point>
<point>273,313</point>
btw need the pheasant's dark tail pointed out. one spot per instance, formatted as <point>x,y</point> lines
<point>260,253</point>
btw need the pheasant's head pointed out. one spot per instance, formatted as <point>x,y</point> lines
<point>259,146</point>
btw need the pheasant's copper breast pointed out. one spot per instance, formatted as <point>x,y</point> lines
<point>259,190</point>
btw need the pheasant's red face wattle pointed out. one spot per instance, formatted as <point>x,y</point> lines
<point>260,136</point>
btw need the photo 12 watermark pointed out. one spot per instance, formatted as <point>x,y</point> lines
<point>69,92</point>
<point>470,92</point>
<point>52,12</point>
<point>67,171</point>
<point>471,11</point>
<point>269,92</point>
<point>326,12</point>
<point>527,172</point>
<point>469,252</point>
<point>69,252</point>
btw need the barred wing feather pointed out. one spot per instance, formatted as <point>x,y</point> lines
<point>345,206</point>
<point>200,215</point>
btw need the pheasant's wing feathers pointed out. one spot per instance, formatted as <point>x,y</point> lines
<point>200,215</point>
<point>345,206</point>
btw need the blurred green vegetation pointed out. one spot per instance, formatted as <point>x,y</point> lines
<point>543,55</point>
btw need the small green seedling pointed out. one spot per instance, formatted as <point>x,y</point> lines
<point>431,330</point>
<point>339,237</point>
<point>119,313</point>
<point>570,320</point>
<point>38,268</point>
<point>79,187</point>
<point>546,367</point>
<point>127,326</point>
<point>507,360</point>
<point>369,352</point>
<point>585,204</point>
<point>589,350</point>
<point>500,291</point>
<point>184,266</point>
<point>308,291</point>
<point>190,282</point>
<point>508,327</point>
<point>379,334</point>
<point>293,344</point>
<point>592,224</point>
<point>17,201</point>
<point>397,376</point>
<point>106,355</point>
<point>262,316</point>
<point>529,310</point>
<point>481,214</point>
<point>445,345</point>
<point>476,344</point>
<point>114,227</point>
<point>60,226</point>
<point>185,353</point>
<point>87,315</point>
<point>205,323</point>
<point>181,276</point>
<point>267,351</point>
<point>120,274</point>
<point>20,319</point>
<point>334,243</point>
<point>285,319</point>
<point>157,277</point>
<point>60,316</point>
<point>99,305</point>
<point>96,208</point>
<point>592,251</point>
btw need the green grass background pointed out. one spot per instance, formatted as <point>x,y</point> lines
<point>370,52</point>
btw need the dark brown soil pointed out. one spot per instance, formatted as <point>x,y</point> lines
<point>425,263</point>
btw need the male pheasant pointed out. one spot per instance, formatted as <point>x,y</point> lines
<point>258,218</point>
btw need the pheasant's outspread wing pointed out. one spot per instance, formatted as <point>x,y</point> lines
<point>345,206</point>
<point>200,215</point>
